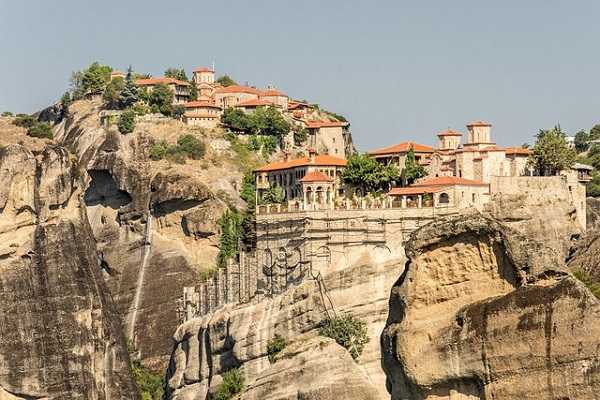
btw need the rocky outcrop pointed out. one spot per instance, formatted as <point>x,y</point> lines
<point>482,312</point>
<point>60,335</point>
<point>593,213</point>
<point>310,367</point>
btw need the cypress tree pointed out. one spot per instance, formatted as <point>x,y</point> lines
<point>129,94</point>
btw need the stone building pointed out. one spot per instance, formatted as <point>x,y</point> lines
<point>230,96</point>
<point>329,137</point>
<point>180,89</point>
<point>312,182</point>
<point>446,191</point>
<point>202,113</point>
<point>396,154</point>
<point>204,79</point>
<point>275,97</point>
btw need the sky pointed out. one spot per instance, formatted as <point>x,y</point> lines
<point>398,70</point>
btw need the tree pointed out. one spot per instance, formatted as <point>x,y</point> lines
<point>178,111</point>
<point>112,93</point>
<point>581,141</point>
<point>7,114</point>
<point>595,132</point>
<point>161,97</point>
<point>193,92</point>
<point>41,130</point>
<point>551,153</point>
<point>236,119</point>
<point>191,146</point>
<point>248,194</point>
<point>95,78</point>
<point>77,89</point>
<point>300,135</point>
<point>226,80</point>
<point>230,227</point>
<point>412,170</point>
<point>129,94</point>
<point>273,195</point>
<point>126,122</point>
<point>176,73</point>
<point>269,121</point>
<point>368,174</point>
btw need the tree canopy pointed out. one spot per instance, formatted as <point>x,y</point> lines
<point>264,121</point>
<point>95,78</point>
<point>176,73</point>
<point>112,93</point>
<point>161,99</point>
<point>226,80</point>
<point>551,154</point>
<point>412,170</point>
<point>129,93</point>
<point>368,174</point>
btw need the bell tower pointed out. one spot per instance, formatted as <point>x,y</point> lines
<point>479,134</point>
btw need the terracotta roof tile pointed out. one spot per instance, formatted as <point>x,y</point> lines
<point>320,160</point>
<point>316,176</point>
<point>449,181</point>
<point>402,148</point>
<point>192,114</point>
<point>415,190</point>
<point>239,89</point>
<point>325,124</point>
<point>517,150</point>
<point>272,93</point>
<point>201,103</point>
<point>479,123</point>
<point>203,69</point>
<point>449,132</point>
<point>254,103</point>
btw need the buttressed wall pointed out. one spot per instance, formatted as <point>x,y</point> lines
<point>481,312</point>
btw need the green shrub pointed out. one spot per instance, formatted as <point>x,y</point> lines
<point>588,281</point>
<point>7,114</point>
<point>174,154</point>
<point>158,151</point>
<point>300,135</point>
<point>42,130</point>
<point>24,120</point>
<point>230,225</point>
<point>275,346</point>
<point>348,331</point>
<point>192,146</point>
<point>269,145</point>
<point>178,111</point>
<point>141,109</point>
<point>126,122</point>
<point>150,384</point>
<point>254,143</point>
<point>233,383</point>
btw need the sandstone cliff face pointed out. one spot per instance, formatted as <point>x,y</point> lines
<point>60,335</point>
<point>155,223</point>
<point>482,312</point>
<point>310,367</point>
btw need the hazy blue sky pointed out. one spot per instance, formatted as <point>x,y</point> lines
<point>398,70</point>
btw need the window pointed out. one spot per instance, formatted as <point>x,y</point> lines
<point>444,198</point>
<point>473,197</point>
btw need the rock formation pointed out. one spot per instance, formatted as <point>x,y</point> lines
<point>60,335</point>
<point>482,312</point>
<point>311,366</point>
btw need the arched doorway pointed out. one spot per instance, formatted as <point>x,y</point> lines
<point>444,199</point>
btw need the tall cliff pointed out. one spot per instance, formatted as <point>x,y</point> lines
<point>60,334</point>
<point>483,312</point>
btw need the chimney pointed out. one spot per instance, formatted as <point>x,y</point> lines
<point>312,154</point>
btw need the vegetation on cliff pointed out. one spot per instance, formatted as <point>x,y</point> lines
<point>368,174</point>
<point>275,346</point>
<point>348,331</point>
<point>551,154</point>
<point>588,281</point>
<point>150,385</point>
<point>264,121</point>
<point>188,146</point>
<point>233,383</point>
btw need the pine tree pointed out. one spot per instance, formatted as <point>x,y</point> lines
<point>129,94</point>
<point>412,170</point>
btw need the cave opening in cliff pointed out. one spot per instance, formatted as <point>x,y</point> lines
<point>103,191</point>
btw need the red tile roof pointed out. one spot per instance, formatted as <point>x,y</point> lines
<point>239,89</point>
<point>449,132</point>
<point>200,103</point>
<point>254,103</point>
<point>479,123</point>
<point>517,150</point>
<point>203,69</point>
<point>320,160</point>
<point>273,93</point>
<point>316,176</point>
<point>402,148</point>
<point>325,124</point>
<point>449,181</point>
<point>414,190</point>
<point>192,114</point>
<point>163,80</point>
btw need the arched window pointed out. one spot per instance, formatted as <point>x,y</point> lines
<point>444,198</point>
